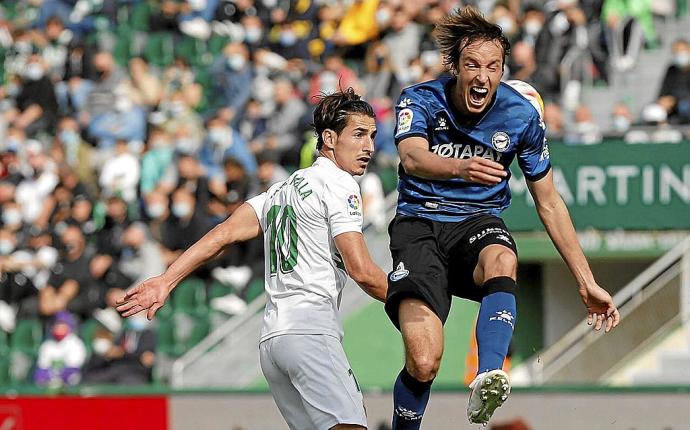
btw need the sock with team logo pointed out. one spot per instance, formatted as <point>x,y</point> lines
<point>410,397</point>
<point>495,323</point>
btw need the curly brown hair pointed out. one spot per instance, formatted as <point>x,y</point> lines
<point>455,31</point>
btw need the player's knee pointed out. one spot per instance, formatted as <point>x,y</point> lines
<point>506,262</point>
<point>503,263</point>
<point>424,367</point>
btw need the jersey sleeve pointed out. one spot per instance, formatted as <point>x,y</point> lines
<point>533,156</point>
<point>411,117</point>
<point>257,203</point>
<point>343,204</point>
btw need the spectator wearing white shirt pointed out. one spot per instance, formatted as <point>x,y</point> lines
<point>120,174</point>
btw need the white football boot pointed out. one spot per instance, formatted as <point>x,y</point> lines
<point>489,391</point>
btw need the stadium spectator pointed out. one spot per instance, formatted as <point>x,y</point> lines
<point>621,119</point>
<point>283,128</point>
<point>108,238</point>
<point>142,257</point>
<point>221,142</point>
<point>61,356</point>
<point>124,359</point>
<point>17,290</point>
<point>144,83</point>
<point>36,110</point>
<point>232,80</point>
<point>68,286</point>
<point>674,95</point>
<point>78,154</point>
<point>186,225</point>
<point>402,39</point>
<point>156,205</point>
<point>335,74</point>
<point>180,78</point>
<point>120,173</point>
<point>584,131</point>
<point>156,160</point>
<point>37,185</point>
<point>269,171</point>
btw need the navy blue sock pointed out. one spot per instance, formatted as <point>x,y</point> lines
<point>410,397</point>
<point>495,323</point>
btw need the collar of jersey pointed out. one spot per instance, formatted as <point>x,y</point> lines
<point>326,162</point>
<point>455,114</point>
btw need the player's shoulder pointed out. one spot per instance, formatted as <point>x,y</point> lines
<point>326,175</point>
<point>516,103</point>
<point>425,93</point>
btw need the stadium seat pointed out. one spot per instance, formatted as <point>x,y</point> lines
<point>254,290</point>
<point>27,336</point>
<point>218,289</point>
<point>4,346</point>
<point>199,331</point>
<point>87,331</point>
<point>4,371</point>
<point>166,337</point>
<point>160,49</point>
<point>189,297</point>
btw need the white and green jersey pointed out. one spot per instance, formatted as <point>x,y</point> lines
<point>304,272</point>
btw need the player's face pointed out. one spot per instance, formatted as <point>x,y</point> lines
<point>479,73</point>
<point>354,146</point>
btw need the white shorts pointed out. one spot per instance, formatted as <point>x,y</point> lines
<point>311,381</point>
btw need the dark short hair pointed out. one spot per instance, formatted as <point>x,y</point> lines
<point>459,29</point>
<point>333,110</point>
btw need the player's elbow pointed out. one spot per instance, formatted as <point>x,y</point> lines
<point>409,163</point>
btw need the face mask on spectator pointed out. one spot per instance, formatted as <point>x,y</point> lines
<point>236,61</point>
<point>383,17</point>
<point>33,72</point>
<point>123,104</point>
<point>68,137</point>
<point>155,210</point>
<point>177,107</point>
<point>159,143</point>
<point>138,323</point>
<point>253,34</point>
<point>532,27</point>
<point>12,90</point>
<point>220,136</point>
<point>6,247</point>
<point>621,123</point>
<point>506,24</point>
<point>181,209</point>
<point>11,217</point>
<point>23,47</point>
<point>416,73</point>
<point>288,38</point>
<point>60,331</point>
<point>101,345</point>
<point>681,59</point>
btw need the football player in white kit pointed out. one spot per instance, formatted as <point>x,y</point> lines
<point>312,225</point>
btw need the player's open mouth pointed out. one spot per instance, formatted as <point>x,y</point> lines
<point>364,159</point>
<point>478,96</point>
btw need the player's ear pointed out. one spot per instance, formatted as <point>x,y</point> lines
<point>329,138</point>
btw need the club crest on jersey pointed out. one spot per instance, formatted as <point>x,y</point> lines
<point>500,141</point>
<point>441,123</point>
<point>354,206</point>
<point>399,273</point>
<point>405,120</point>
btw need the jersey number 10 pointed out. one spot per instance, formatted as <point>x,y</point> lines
<point>282,226</point>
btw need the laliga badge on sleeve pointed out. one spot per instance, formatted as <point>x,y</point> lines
<point>354,207</point>
<point>404,121</point>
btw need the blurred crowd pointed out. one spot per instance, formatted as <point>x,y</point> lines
<point>129,128</point>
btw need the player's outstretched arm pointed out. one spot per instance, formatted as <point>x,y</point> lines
<point>360,266</point>
<point>417,160</point>
<point>151,294</point>
<point>556,219</point>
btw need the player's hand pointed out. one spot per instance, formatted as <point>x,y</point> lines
<point>482,171</point>
<point>150,295</point>
<point>600,308</point>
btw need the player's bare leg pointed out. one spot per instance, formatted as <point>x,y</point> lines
<point>422,333</point>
